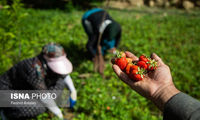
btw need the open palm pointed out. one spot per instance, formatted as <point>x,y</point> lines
<point>153,83</point>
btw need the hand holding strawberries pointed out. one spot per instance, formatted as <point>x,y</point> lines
<point>156,85</point>
<point>135,69</point>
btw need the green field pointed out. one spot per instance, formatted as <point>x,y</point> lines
<point>173,34</point>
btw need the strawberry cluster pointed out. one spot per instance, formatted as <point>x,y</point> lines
<point>135,69</point>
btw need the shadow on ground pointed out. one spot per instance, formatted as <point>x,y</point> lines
<point>76,53</point>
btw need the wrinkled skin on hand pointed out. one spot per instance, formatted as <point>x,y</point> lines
<point>156,85</point>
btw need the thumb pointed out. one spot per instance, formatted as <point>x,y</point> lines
<point>158,59</point>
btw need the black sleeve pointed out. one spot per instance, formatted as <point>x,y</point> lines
<point>92,37</point>
<point>182,107</point>
<point>88,29</point>
<point>118,38</point>
<point>92,44</point>
<point>96,19</point>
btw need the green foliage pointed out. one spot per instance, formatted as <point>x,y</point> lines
<point>11,20</point>
<point>69,6</point>
<point>173,35</point>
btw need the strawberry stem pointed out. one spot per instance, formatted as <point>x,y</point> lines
<point>119,54</point>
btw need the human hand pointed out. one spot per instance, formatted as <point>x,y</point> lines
<point>72,102</point>
<point>72,99</point>
<point>156,85</point>
<point>57,112</point>
<point>112,50</point>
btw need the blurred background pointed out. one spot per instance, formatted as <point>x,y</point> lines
<point>170,28</point>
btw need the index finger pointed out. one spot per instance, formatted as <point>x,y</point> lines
<point>131,55</point>
<point>157,58</point>
<point>122,75</point>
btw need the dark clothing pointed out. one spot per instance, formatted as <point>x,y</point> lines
<point>29,74</point>
<point>92,23</point>
<point>182,107</point>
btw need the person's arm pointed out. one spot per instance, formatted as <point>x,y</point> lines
<point>73,95</point>
<point>117,40</point>
<point>159,88</point>
<point>87,25</point>
<point>182,107</point>
<point>118,37</point>
<point>92,36</point>
<point>36,80</point>
<point>92,42</point>
<point>51,105</point>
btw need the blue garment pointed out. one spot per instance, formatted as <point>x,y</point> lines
<point>106,45</point>
<point>109,43</point>
<point>72,102</point>
<point>89,12</point>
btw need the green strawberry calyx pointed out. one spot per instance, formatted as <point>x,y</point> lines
<point>141,71</point>
<point>119,54</point>
<point>152,63</point>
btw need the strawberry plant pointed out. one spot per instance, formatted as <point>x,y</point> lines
<point>175,38</point>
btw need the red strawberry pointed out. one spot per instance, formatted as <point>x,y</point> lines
<point>129,60</point>
<point>128,67</point>
<point>137,74</point>
<point>134,67</point>
<point>142,64</point>
<point>108,107</point>
<point>132,74</point>
<point>151,65</point>
<point>143,58</point>
<point>121,60</point>
<point>138,77</point>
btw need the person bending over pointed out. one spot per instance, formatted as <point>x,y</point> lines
<point>95,22</point>
<point>50,70</point>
